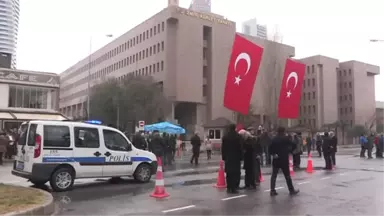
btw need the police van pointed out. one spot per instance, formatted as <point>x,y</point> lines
<point>62,151</point>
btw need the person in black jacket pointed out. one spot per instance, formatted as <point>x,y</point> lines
<point>232,154</point>
<point>157,145</point>
<point>249,144</point>
<point>196,143</point>
<point>327,150</point>
<point>139,141</point>
<point>280,149</point>
<point>333,148</point>
<point>258,152</point>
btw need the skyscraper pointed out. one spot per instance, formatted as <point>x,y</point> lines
<point>201,6</point>
<point>252,28</point>
<point>9,24</point>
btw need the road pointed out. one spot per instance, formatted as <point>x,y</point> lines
<point>355,187</point>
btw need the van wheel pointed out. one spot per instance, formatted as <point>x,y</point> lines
<point>62,179</point>
<point>38,183</point>
<point>143,173</point>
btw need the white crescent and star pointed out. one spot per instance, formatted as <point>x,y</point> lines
<point>247,58</point>
<point>294,76</point>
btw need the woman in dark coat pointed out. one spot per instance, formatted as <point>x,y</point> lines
<point>249,143</point>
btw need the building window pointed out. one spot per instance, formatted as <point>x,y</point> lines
<point>341,111</point>
<point>350,97</point>
<point>32,97</point>
<point>345,85</point>
<point>308,69</point>
<point>309,96</point>
<point>158,47</point>
<point>305,109</point>
<point>154,49</point>
<point>162,26</point>
<point>150,32</point>
<point>350,109</point>
<point>158,66</point>
<point>314,95</point>
<point>313,82</point>
<point>150,51</point>
<point>162,65</point>
<point>314,109</point>
<point>345,73</point>
<point>158,28</point>
<point>345,97</point>
<point>350,84</point>
<point>339,72</point>
<point>313,68</point>
<point>205,90</point>
<point>349,71</point>
<point>340,98</point>
<point>214,134</point>
<point>162,46</point>
<point>154,30</point>
<point>303,83</point>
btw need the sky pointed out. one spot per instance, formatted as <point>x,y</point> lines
<point>56,34</point>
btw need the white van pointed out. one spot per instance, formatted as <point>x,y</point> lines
<point>62,151</point>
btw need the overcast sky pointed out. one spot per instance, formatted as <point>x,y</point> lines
<point>55,34</point>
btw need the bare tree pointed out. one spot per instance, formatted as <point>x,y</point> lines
<point>123,103</point>
<point>273,79</point>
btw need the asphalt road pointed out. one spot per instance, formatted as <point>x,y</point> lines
<point>355,187</point>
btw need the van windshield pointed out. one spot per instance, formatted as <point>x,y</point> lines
<point>23,134</point>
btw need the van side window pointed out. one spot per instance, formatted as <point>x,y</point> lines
<point>23,134</point>
<point>56,136</point>
<point>115,141</point>
<point>32,134</point>
<point>86,137</point>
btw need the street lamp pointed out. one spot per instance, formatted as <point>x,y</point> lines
<point>89,74</point>
<point>376,40</point>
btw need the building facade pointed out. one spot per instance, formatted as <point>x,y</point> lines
<point>203,6</point>
<point>336,91</point>
<point>252,28</point>
<point>380,116</point>
<point>9,24</point>
<point>28,95</point>
<point>187,53</point>
<point>319,105</point>
<point>356,93</point>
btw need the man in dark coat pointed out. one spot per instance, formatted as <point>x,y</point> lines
<point>157,145</point>
<point>232,154</point>
<point>327,145</point>
<point>249,146</point>
<point>196,143</point>
<point>319,144</point>
<point>333,148</point>
<point>139,141</point>
<point>280,149</point>
<point>265,141</point>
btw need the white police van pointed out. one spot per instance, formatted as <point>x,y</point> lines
<point>62,151</point>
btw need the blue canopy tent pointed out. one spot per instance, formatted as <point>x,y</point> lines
<point>165,127</point>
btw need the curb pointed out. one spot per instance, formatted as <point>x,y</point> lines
<point>48,208</point>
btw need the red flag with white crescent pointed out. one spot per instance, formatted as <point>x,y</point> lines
<point>291,89</point>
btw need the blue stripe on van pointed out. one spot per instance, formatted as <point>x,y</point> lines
<point>88,159</point>
<point>140,159</point>
<point>75,159</point>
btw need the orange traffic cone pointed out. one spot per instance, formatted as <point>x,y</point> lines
<point>261,176</point>
<point>159,191</point>
<point>221,177</point>
<point>309,164</point>
<point>291,172</point>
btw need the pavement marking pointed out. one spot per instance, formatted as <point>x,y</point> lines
<point>278,188</point>
<point>325,178</point>
<point>342,174</point>
<point>234,197</point>
<point>178,209</point>
<point>306,182</point>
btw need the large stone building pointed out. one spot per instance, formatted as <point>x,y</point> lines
<point>334,91</point>
<point>380,116</point>
<point>187,52</point>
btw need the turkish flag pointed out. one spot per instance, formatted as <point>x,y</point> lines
<point>242,72</point>
<point>291,86</point>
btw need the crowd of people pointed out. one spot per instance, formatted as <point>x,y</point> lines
<point>247,146</point>
<point>8,142</point>
<point>258,147</point>
<point>368,142</point>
